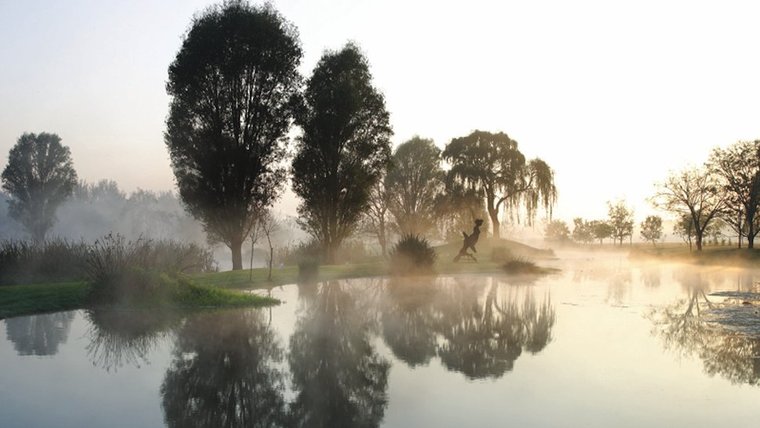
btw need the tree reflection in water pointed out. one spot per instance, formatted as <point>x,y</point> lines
<point>338,377</point>
<point>39,334</point>
<point>124,337</point>
<point>409,319</point>
<point>226,373</point>
<point>687,328</point>
<point>477,328</point>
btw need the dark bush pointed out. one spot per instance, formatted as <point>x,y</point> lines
<point>23,262</point>
<point>307,255</point>
<point>412,255</point>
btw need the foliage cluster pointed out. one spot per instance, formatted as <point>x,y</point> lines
<point>23,262</point>
<point>119,269</point>
<point>557,231</point>
<point>724,191</point>
<point>412,255</point>
<point>39,176</point>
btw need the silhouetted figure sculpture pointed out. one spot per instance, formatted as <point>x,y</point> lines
<point>469,242</point>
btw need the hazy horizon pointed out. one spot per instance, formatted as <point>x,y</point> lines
<point>610,96</point>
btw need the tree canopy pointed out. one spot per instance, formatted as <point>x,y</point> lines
<point>620,220</point>
<point>232,88</point>
<point>39,176</point>
<point>738,170</point>
<point>344,148</point>
<point>694,193</point>
<point>414,182</point>
<point>651,229</point>
<point>493,163</point>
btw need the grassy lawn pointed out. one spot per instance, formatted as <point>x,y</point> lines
<point>710,255</point>
<point>219,289</point>
<point>18,300</point>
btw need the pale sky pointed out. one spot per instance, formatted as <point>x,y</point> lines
<point>611,94</point>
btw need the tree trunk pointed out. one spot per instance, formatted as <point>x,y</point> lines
<point>331,253</point>
<point>494,214</point>
<point>271,256</point>
<point>698,239</point>
<point>750,240</point>
<point>382,240</point>
<point>237,254</point>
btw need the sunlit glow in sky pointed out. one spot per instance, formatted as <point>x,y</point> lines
<point>612,95</point>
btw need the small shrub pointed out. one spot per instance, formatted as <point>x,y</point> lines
<point>521,266</point>
<point>307,256</point>
<point>412,255</point>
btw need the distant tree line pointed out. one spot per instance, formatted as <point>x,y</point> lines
<point>722,193</point>
<point>618,227</point>
<point>96,209</point>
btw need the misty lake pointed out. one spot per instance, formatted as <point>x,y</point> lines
<point>605,342</point>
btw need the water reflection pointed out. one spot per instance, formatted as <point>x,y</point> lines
<point>484,337</point>
<point>409,320</point>
<point>39,334</point>
<point>121,337</point>
<point>226,372</point>
<point>478,328</point>
<point>689,328</point>
<point>338,377</point>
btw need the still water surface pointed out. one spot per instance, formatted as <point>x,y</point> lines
<point>606,342</point>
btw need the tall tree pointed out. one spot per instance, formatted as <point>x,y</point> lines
<point>620,220</point>
<point>414,182</point>
<point>39,176</point>
<point>232,86</point>
<point>493,163</point>
<point>694,193</point>
<point>651,229</point>
<point>738,167</point>
<point>376,218</point>
<point>343,150</point>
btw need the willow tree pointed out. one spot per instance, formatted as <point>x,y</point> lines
<point>493,163</point>
<point>344,148</point>
<point>39,176</point>
<point>232,86</point>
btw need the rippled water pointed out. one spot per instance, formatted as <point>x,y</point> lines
<point>606,342</point>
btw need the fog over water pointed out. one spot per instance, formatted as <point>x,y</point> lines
<point>607,341</point>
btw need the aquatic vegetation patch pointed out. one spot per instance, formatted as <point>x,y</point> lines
<point>740,312</point>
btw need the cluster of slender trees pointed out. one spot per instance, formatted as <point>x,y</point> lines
<point>724,192</point>
<point>236,94</point>
<point>618,226</point>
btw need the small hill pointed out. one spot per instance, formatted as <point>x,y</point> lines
<point>495,249</point>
